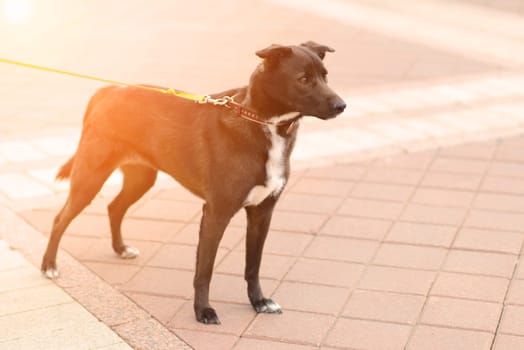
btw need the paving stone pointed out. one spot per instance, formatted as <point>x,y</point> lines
<point>454,165</point>
<point>470,287</point>
<point>259,344</point>
<point>425,214</point>
<point>344,249</point>
<point>292,326</point>
<point>180,256</point>
<point>492,264</point>
<point>444,198</point>
<point>422,234</point>
<point>459,181</point>
<point>356,227</point>
<point>398,280</point>
<point>489,240</point>
<point>393,176</point>
<point>384,306</point>
<point>297,222</point>
<point>311,297</point>
<point>360,334</point>
<point>168,210</point>
<point>512,321</point>
<point>503,184</point>
<point>340,172</point>
<point>398,193</point>
<point>168,282</point>
<point>461,313</point>
<point>233,289</point>
<point>308,203</point>
<point>371,208</point>
<point>516,293</point>
<point>508,342</point>
<point>207,340</point>
<point>417,257</point>
<point>272,266</point>
<point>161,308</point>
<point>500,202</point>
<point>437,338</point>
<point>330,273</point>
<point>322,187</point>
<point>189,235</point>
<point>115,274</point>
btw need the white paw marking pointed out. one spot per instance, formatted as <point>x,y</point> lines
<point>51,273</point>
<point>273,307</point>
<point>130,253</point>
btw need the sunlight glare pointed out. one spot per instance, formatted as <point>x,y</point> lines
<point>17,11</point>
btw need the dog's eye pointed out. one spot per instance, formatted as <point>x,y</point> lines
<point>304,79</point>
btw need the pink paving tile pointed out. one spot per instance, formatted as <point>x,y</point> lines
<point>206,340</point>
<point>273,266</point>
<point>297,222</point>
<point>495,220</point>
<point>437,338</point>
<point>461,313</point>
<point>89,225</point>
<point>398,280</point>
<point>78,245</point>
<point>361,334</point>
<point>344,249</point>
<point>233,289</point>
<point>510,152</point>
<point>285,243</point>
<point>433,215</point>
<point>393,176</point>
<point>455,165</point>
<point>114,274</point>
<point>340,172</point>
<point>167,210</point>
<point>259,344</point>
<point>167,282</point>
<point>503,184</point>
<point>512,320</point>
<point>234,319</point>
<point>180,256</point>
<point>42,220</point>
<point>489,240</point>
<point>356,227</point>
<point>516,293</point>
<point>331,273</point>
<point>149,230</point>
<point>492,264</point>
<point>443,198</point>
<point>480,151</point>
<point>311,297</point>
<point>403,255</point>
<point>418,161</point>
<point>384,306</point>
<point>178,194</point>
<point>459,181</point>
<point>506,169</point>
<point>292,326</point>
<point>368,190</point>
<point>102,251</point>
<point>161,308</point>
<point>189,235</point>
<point>309,203</point>
<point>508,342</point>
<point>371,208</point>
<point>460,285</point>
<point>500,202</point>
<point>322,187</point>
<point>422,234</point>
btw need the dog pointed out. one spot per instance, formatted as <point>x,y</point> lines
<point>233,155</point>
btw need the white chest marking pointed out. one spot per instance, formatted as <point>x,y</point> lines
<point>275,179</point>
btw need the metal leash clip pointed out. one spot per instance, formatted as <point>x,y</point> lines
<point>222,101</point>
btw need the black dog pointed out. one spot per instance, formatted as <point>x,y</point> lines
<point>212,150</point>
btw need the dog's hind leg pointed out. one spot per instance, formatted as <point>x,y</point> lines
<point>138,179</point>
<point>258,220</point>
<point>95,160</point>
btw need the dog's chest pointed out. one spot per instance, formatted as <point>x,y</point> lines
<point>275,170</point>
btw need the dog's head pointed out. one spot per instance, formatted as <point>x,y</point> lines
<point>294,79</point>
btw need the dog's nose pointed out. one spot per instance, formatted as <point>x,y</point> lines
<point>339,106</point>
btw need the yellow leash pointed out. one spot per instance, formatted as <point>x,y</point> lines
<point>183,94</point>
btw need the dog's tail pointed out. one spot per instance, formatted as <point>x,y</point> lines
<point>65,169</point>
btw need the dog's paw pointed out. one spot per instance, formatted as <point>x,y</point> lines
<point>207,316</point>
<point>50,273</point>
<point>267,306</point>
<point>129,253</point>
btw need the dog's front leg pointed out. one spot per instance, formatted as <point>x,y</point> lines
<point>212,226</point>
<point>258,220</point>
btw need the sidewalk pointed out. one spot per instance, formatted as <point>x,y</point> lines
<point>402,226</point>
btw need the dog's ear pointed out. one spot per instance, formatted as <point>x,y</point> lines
<point>274,52</point>
<point>319,49</point>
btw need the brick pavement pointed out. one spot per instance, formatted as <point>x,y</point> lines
<point>409,236</point>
